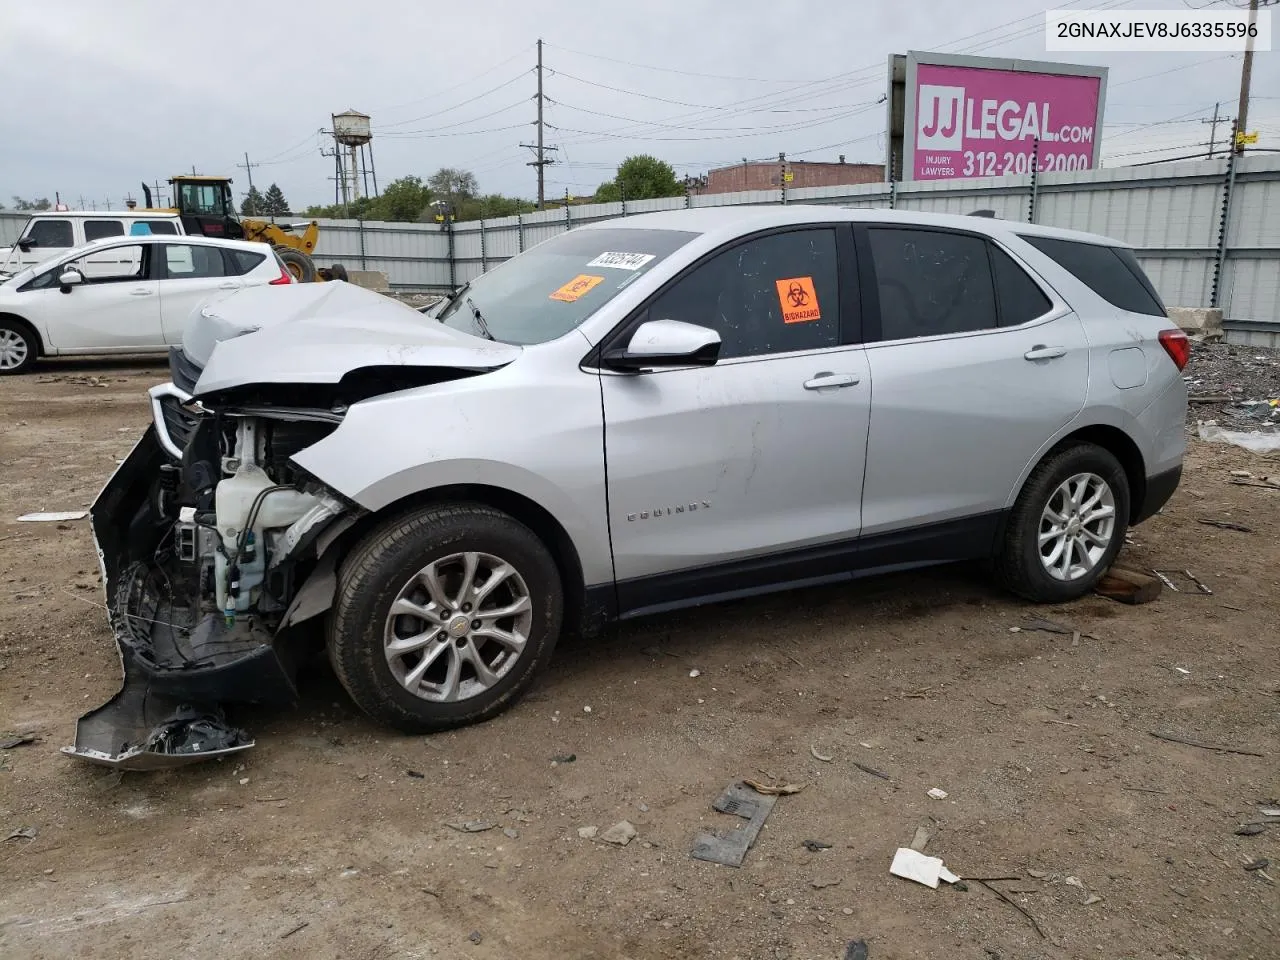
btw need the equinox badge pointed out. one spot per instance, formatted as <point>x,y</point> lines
<point>669,511</point>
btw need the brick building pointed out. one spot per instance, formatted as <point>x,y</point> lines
<point>767,175</point>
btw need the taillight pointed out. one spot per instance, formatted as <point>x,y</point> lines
<point>1177,346</point>
<point>285,277</point>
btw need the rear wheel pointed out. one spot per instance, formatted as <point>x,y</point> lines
<point>297,263</point>
<point>444,617</point>
<point>19,347</point>
<point>1067,526</point>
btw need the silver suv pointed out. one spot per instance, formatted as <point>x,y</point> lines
<point>632,417</point>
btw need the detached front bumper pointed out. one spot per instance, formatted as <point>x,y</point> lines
<point>180,660</point>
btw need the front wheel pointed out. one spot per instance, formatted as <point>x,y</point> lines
<point>444,617</point>
<point>18,347</point>
<point>1067,525</point>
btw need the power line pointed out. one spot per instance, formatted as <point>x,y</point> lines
<point>463,103</point>
<point>431,96</point>
<point>461,123</point>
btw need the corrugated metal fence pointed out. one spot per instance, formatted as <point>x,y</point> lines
<point>1174,214</point>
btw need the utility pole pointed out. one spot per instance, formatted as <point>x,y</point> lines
<point>1246,78</point>
<point>1213,129</point>
<point>248,169</point>
<point>539,149</point>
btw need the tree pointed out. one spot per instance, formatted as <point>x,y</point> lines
<point>25,205</point>
<point>274,202</point>
<point>454,185</point>
<point>493,205</point>
<point>402,200</point>
<point>641,177</point>
<point>253,205</point>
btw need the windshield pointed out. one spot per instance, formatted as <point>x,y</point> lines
<point>549,290</point>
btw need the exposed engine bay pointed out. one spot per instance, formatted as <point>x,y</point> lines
<point>203,557</point>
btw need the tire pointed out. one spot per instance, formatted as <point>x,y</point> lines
<point>1021,565</point>
<point>298,263</point>
<point>19,347</point>
<point>387,565</point>
<point>338,272</point>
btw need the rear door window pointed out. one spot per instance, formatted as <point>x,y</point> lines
<point>932,282</point>
<point>100,229</point>
<point>51,233</point>
<point>1113,273</point>
<point>185,261</point>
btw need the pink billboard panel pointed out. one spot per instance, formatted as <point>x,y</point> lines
<point>979,122</point>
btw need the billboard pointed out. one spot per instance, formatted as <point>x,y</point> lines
<point>953,117</point>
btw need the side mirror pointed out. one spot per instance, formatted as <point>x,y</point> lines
<point>666,343</point>
<point>70,278</point>
<point>26,243</point>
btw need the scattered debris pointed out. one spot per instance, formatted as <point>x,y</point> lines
<point>588,833</point>
<point>1260,864</point>
<point>1017,906</point>
<point>774,790</point>
<point>416,774</point>
<point>475,936</point>
<point>620,834</point>
<point>1224,524</point>
<point>1270,811</point>
<point>938,793</point>
<point>1250,829</point>
<point>511,833</point>
<point>814,846</point>
<point>1038,874</point>
<point>996,701</point>
<point>470,826</point>
<point>1182,670</point>
<point>1172,738</point>
<point>924,833</point>
<point>1061,723</point>
<point>563,758</point>
<point>1255,441</point>
<point>292,930</point>
<point>695,673</point>
<point>819,756</point>
<point>1074,882</point>
<point>856,950</point>
<point>1092,899</point>
<point>871,770</point>
<point>56,517</point>
<point>1196,580</point>
<point>10,740</point>
<point>823,884</point>
<point>741,800</point>
<point>1046,626</point>
<point>23,833</point>
<point>914,865</point>
<point>1128,586</point>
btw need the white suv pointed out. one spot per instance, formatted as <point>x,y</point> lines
<point>122,295</point>
<point>632,417</point>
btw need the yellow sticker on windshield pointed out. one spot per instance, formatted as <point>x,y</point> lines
<point>576,288</point>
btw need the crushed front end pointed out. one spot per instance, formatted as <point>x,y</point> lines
<point>211,545</point>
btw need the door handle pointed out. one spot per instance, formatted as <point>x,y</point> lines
<point>827,379</point>
<point>1041,352</point>
<point>140,292</point>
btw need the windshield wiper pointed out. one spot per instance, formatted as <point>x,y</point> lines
<point>480,324</point>
<point>447,304</point>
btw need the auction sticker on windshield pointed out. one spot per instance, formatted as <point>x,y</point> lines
<point>798,299</point>
<point>577,288</point>
<point>621,261</point>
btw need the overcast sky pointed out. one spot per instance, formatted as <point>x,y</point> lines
<point>99,96</point>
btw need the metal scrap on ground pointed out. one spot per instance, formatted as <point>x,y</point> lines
<point>741,800</point>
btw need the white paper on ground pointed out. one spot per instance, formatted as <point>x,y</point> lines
<point>913,865</point>
<point>53,517</point>
<point>1254,441</point>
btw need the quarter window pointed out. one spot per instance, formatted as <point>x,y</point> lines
<point>932,283</point>
<point>1113,273</point>
<point>774,294</point>
<point>98,229</point>
<point>240,262</point>
<point>1021,299</point>
<point>192,261</point>
<point>51,233</point>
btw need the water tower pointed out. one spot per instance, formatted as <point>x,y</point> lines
<point>353,154</point>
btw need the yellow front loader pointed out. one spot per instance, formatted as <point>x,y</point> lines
<point>207,208</point>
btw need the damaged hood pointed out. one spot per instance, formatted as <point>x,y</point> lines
<point>318,333</point>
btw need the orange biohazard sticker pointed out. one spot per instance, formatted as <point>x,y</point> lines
<point>578,287</point>
<point>799,300</point>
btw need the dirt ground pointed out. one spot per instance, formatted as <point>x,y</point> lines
<point>329,839</point>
